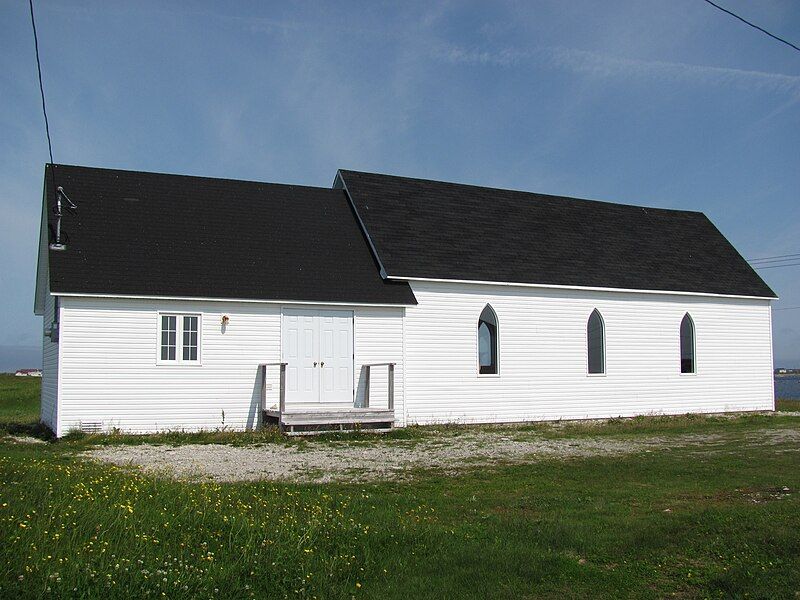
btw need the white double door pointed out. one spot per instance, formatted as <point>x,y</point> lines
<point>317,347</point>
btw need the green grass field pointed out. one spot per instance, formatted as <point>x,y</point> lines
<point>717,523</point>
<point>788,405</point>
<point>19,401</point>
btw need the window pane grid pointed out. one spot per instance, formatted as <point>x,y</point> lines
<point>179,344</point>
<point>189,338</point>
<point>169,337</point>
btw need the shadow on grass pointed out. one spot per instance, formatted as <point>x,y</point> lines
<point>35,430</point>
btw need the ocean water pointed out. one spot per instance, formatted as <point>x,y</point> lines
<point>787,387</point>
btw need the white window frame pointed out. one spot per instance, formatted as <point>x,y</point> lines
<point>179,339</point>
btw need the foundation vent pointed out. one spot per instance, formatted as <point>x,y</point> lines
<point>91,426</point>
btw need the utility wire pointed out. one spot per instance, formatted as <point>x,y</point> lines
<point>788,308</point>
<point>41,85</point>
<point>773,258</point>
<point>757,268</point>
<point>771,262</point>
<point>44,106</point>
<point>761,29</point>
<point>776,263</point>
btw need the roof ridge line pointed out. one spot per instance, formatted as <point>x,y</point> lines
<point>518,191</point>
<point>187,176</point>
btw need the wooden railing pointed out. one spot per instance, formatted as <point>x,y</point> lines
<point>281,389</point>
<point>282,384</point>
<point>367,378</point>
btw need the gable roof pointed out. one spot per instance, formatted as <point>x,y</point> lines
<point>151,234</point>
<point>436,230</point>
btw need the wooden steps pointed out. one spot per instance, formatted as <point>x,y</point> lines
<point>306,422</point>
<point>320,419</point>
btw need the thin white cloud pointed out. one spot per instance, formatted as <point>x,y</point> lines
<point>503,57</point>
<point>600,65</point>
<point>603,66</point>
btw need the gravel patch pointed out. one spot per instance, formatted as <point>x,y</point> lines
<point>24,439</point>
<point>347,461</point>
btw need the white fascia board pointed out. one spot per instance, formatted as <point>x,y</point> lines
<point>580,287</point>
<point>248,300</point>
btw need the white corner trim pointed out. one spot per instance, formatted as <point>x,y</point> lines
<point>578,287</point>
<point>58,400</point>
<point>772,360</point>
<point>248,300</point>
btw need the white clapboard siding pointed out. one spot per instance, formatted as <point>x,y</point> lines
<point>110,374</point>
<point>108,371</point>
<point>542,355</point>
<point>378,337</point>
<point>49,393</point>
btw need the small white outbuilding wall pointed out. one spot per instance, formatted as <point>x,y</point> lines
<point>543,354</point>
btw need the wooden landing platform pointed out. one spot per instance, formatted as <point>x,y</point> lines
<point>307,422</point>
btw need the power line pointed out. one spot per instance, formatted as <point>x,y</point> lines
<point>775,263</point>
<point>772,258</point>
<point>761,29</point>
<point>780,263</point>
<point>41,85</point>
<point>788,308</point>
<point>757,268</point>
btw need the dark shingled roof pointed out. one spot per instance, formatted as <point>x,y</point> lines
<point>431,229</point>
<point>149,234</point>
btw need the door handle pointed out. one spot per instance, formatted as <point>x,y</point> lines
<point>315,363</point>
<point>322,364</point>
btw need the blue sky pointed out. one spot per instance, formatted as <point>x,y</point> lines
<point>670,104</point>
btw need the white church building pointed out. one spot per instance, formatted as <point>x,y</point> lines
<point>187,303</point>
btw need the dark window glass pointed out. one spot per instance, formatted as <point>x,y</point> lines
<point>168,337</point>
<point>687,344</point>
<point>487,342</point>
<point>596,340</point>
<point>189,338</point>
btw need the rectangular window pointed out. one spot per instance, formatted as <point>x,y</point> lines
<point>179,340</point>
<point>189,338</point>
<point>169,337</point>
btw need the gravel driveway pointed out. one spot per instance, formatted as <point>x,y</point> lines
<point>392,459</point>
